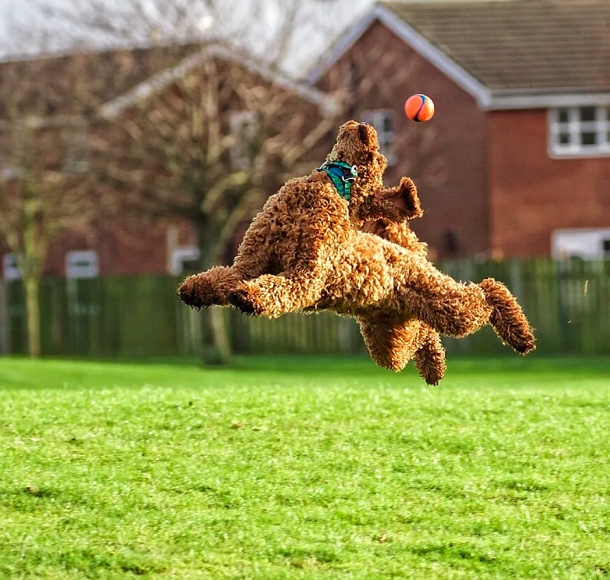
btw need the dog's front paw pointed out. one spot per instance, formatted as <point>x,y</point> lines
<point>244,299</point>
<point>188,295</point>
<point>201,290</point>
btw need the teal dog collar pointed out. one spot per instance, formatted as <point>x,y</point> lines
<point>342,175</point>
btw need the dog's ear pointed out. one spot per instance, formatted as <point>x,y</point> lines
<point>396,204</point>
<point>401,202</point>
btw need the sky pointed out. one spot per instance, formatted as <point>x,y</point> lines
<point>21,26</point>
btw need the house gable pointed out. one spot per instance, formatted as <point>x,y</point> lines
<point>446,158</point>
<point>519,54</point>
<point>163,79</point>
<point>415,40</point>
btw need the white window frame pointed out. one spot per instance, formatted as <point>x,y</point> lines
<point>82,264</point>
<point>183,254</point>
<point>574,127</point>
<point>10,271</point>
<point>387,138</point>
<point>9,173</point>
<point>243,125</point>
<point>585,243</point>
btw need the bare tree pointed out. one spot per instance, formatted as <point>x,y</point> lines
<point>211,128</point>
<point>41,197</point>
<point>213,138</point>
<point>45,186</point>
<point>202,130</point>
<point>288,33</point>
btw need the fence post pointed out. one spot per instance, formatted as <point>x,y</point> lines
<point>516,279</point>
<point>4,332</point>
<point>350,339</point>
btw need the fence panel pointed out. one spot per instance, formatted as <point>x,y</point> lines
<point>567,302</point>
<point>4,324</point>
<point>297,333</point>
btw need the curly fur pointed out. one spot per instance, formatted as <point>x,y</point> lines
<point>308,249</point>
<point>393,343</point>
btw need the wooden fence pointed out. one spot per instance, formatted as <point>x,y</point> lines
<point>567,302</point>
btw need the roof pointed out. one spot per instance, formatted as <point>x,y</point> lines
<point>165,77</point>
<point>51,87</point>
<point>520,44</point>
<point>504,52</point>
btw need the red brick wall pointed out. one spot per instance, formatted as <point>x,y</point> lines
<point>122,249</point>
<point>532,194</point>
<point>445,157</point>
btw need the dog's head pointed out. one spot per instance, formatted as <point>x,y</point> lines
<point>357,145</point>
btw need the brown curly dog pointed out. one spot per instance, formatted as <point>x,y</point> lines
<point>306,251</point>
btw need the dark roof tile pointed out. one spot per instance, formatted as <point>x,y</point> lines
<point>520,44</point>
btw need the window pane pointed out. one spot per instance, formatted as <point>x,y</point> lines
<point>562,115</point>
<point>588,138</point>
<point>82,264</point>
<point>387,123</point>
<point>564,138</point>
<point>587,114</point>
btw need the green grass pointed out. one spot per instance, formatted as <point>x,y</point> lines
<point>304,468</point>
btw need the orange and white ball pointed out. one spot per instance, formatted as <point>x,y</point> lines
<point>419,108</point>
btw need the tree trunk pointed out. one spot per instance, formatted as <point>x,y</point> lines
<point>32,309</point>
<point>216,343</point>
<point>220,335</point>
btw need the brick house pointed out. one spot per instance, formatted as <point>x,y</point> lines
<point>120,85</point>
<point>516,161</point>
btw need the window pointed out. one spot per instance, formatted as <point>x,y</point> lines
<point>580,131</point>
<point>383,121</point>
<point>184,259</point>
<point>12,173</point>
<point>10,269</point>
<point>82,264</point>
<point>244,128</point>
<point>581,243</point>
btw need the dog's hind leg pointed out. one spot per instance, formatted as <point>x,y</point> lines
<point>430,357</point>
<point>447,306</point>
<point>457,309</point>
<point>391,343</point>
<point>507,318</point>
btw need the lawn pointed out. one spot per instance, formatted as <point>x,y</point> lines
<point>304,468</point>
